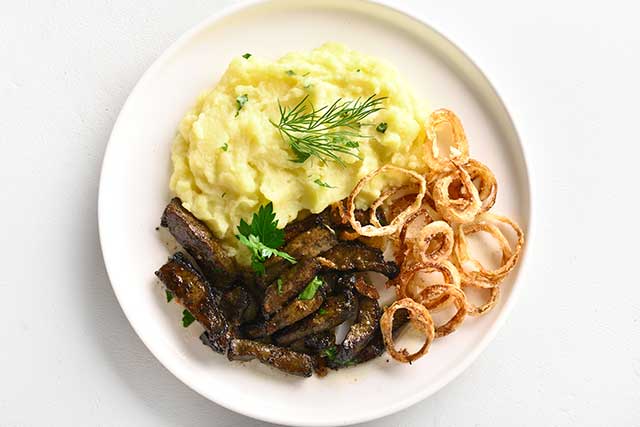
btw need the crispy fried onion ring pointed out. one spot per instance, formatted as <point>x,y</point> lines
<point>401,244</point>
<point>409,288</point>
<point>460,148</point>
<point>430,296</point>
<point>400,197</point>
<point>479,276</point>
<point>366,289</point>
<point>481,176</point>
<point>485,182</point>
<point>429,233</point>
<point>479,310</point>
<point>458,210</point>
<point>420,319</point>
<point>395,223</point>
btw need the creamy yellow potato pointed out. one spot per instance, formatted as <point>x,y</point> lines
<point>227,161</point>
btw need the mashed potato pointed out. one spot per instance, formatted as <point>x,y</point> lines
<point>228,161</point>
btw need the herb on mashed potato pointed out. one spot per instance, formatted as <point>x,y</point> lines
<point>241,100</point>
<point>257,167</point>
<point>321,183</point>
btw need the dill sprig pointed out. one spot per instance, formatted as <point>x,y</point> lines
<point>327,132</point>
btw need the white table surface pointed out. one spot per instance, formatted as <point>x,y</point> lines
<point>568,355</point>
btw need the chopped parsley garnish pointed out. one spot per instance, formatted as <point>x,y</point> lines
<point>169,295</point>
<point>241,100</point>
<point>279,285</point>
<point>246,56</point>
<point>223,194</point>
<point>322,312</point>
<point>262,237</point>
<point>358,70</point>
<point>323,184</point>
<point>329,353</point>
<point>310,290</point>
<point>382,127</point>
<point>187,318</point>
<point>224,147</point>
<point>290,73</point>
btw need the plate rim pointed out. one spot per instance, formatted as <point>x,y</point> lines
<point>445,379</point>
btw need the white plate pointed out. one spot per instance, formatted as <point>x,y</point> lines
<point>134,191</point>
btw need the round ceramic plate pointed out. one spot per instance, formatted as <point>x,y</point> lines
<point>134,191</point>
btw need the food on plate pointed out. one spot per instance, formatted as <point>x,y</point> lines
<point>197,239</point>
<point>201,299</point>
<point>234,151</point>
<point>286,360</point>
<point>305,184</point>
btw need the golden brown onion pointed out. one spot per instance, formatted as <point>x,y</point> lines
<point>459,150</point>
<point>430,297</point>
<point>487,185</point>
<point>401,243</point>
<point>407,287</point>
<point>479,310</point>
<point>395,223</point>
<point>459,210</point>
<point>482,276</point>
<point>420,319</point>
<point>429,233</point>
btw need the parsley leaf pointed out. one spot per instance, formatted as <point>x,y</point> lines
<point>279,284</point>
<point>246,56</point>
<point>264,226</point>
<point>187,318</point>
<point>310,290</point>
<point>323,184</point>
<point>329,353</point>
<point>290,73</point>
<point>224,147</point>
<point>322,312</point>
<point>382,127</point>
<point>241,100</point>
<point>169,295</point>
<point>262,236</point>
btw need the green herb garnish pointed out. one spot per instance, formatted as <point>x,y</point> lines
<point>310,290</point>
<point>187,318</point>
<point>382,127</point>
<point>329,353</point>
<point>168,294</point>
<point>322,183</point>
<point>290,73</point>
<point>327,132</point>
<point>224,147</point>
<point>241,100</point>
<point>262,237</point>
<point>322,312</point>
<point>223,194</point>
<point>246,56</point>
<point>279,285</point>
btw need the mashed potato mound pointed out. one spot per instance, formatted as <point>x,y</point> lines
<point>228,162</point>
